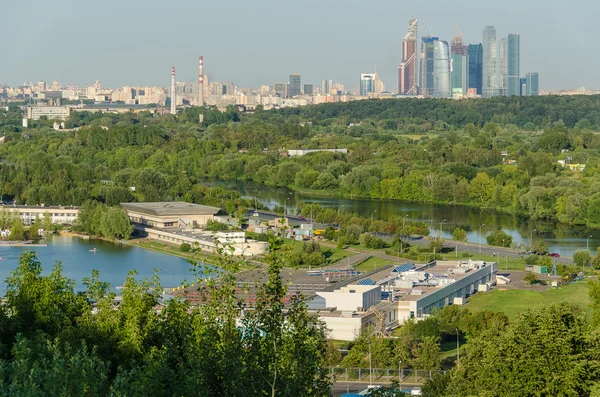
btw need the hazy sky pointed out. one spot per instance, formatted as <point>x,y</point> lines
<point>136,42</point>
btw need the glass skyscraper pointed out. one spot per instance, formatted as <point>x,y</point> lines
<point>427,44</point>
<point>441,69</point>
<point>490,55</point>
<point>295,85</point>
<point>475,70</point>
<point>514,61</point>
<point>503,67</point>
<point>367,83</point>
<point>533,84</point>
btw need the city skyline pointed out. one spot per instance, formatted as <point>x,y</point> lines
<point>325,48</point>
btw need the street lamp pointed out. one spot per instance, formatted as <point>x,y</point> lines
<point>587,243</point>
<point>404,219</point>
<point>480,228</point>
<point>372,215</point>
<point>370,365</point>
<point>284,211</point>
<point>442,227</point>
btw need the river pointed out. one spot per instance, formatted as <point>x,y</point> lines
<point>112,261</point>
<point>561,239</point>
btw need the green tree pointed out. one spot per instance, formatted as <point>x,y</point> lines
<point>582,258</point>
<point>530,278</point>
<point>459,234</point>
<point>115,224</point>
<point>185,247</point>
<point>17,230</point>
<point>499,238</point>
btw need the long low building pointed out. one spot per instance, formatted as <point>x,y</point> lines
<point>170,214</point>
<point>386,299</point>
<point>60,215</point>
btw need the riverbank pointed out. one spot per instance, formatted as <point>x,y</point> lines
<point>20,244</point>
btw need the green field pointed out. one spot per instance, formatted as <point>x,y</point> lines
<point>514,302</point>
<point>372,263</point>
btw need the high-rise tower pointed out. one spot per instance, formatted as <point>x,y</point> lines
<point>514,64</point>
<point>295,85</point>
<point>201,81</point>
<point>475,69</point>
<point>441,69</point>
<point>173,100</point>
<point>407,72</point>
<point>427,45</point>
<point>490,54</point>
<point>503,67</point>
<point>459,75</point>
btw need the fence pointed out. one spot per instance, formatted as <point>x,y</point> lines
<point>382,375</point>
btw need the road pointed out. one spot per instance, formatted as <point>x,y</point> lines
<point>340,388</point>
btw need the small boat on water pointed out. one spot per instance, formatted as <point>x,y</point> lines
<point>94,250</point>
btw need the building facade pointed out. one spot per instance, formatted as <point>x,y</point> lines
<point>427,60</point>
<point>503,67</point>
<point>295,88</point>
<point>475,69</point>
<point>50,112</point>
<point>441,70</point>
<point>459,76</point>
<point>533,84</point>
<point>407,72</point>
<point>367,83</point>
<point>59,215</point>
<point>514,64</point>
<point>490,55</point>
<point>308,89</point>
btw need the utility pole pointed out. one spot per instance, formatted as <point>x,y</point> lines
<point>480,236</point>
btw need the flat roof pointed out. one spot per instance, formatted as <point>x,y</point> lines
<point>38,207</point>
<point>175,208</point>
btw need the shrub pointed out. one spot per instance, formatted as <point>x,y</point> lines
<point>185,247</point>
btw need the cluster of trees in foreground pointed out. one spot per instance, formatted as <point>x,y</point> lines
<point>57,341</point>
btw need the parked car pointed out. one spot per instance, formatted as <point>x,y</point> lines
<point>554,255</point>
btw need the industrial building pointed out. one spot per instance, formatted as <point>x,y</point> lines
<point>60,215</point>
<point>50,112</point>
<point>179,222</point>
<point>170,214</point>
<point>386,299</point>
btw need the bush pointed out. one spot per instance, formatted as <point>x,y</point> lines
<point>215,226</point>
<point>185,247</point>
<point>530,278</point>
<point>531,260</point>
<point>499,238</point>
<point>459,234</point>
<point>582,258</point>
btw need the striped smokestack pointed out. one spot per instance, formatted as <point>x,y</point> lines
<point>201,81</point>
<point>173,101</point>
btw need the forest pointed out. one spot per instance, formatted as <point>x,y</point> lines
<point>533,156</point>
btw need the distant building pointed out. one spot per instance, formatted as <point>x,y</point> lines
<point>533,84</point>
<point>407,72</point>
<point>59,215</point>
<point>475,70</point>
<point>326,86</point>
<point>367,83</point>
<point>308,89</point>
<point>170,214</point>
<point>523,86</point>
<point>50,112</point>
<point>503,67</point>
<point>426,73</point>
<point>441,70</point>
<point>490,52</point>
<point>295,85</point>
<point>281,90</point>
<point>459,77</point>
<point>514,62</point>
<point>302,152</point>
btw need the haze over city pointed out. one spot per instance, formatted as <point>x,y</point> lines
<point>263,42</point>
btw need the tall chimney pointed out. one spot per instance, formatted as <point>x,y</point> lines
<point>173,99</point>
<point>201,81</point>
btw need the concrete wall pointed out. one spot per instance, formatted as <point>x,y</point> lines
<point>169,221</point>
<point>353,297</point>
<point>342,328</point>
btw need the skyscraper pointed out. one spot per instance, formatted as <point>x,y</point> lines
<point>295,85</point>
<point>523,88</point>
<point>407,72</point>
<point>514,55</point>
<point>475,52</point>
<point>490,52</point>
<point>459,76</point>
<point>281,90</point>
<point>503,70</point>
<point>308,89</point>
<point>441,69</point>
<point>427,44</point>
<point>367,83</point>
<point>533,84</point>
<point>326,86</point>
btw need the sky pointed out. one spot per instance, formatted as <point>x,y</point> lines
<point>261,42</point>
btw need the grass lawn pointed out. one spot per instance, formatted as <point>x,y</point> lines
<point>372,263</point>
<point>503,262</point>
<point>332,255</point>
<point>513,302</point>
